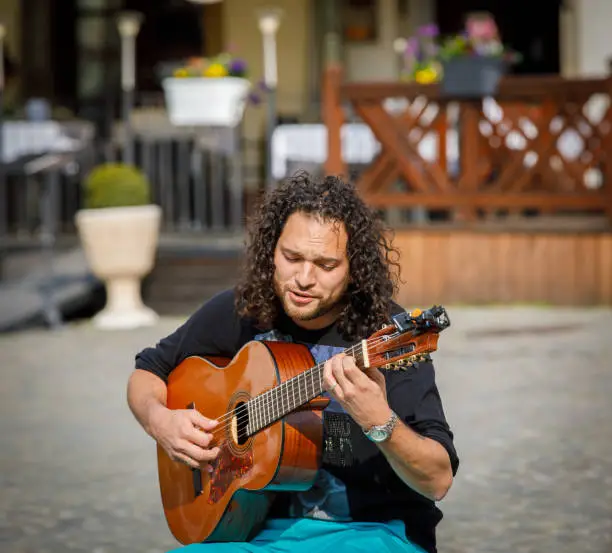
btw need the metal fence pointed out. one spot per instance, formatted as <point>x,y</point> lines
<point>198,176</point>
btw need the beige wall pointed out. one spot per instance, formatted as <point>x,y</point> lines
<point>585,46</point>
<point>377,61</point>
<point>593,44</point>
<point>242,32</point>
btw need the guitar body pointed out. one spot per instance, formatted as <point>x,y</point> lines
<point>231,503</point>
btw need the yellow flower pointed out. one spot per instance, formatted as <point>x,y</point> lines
<point>426,76</point>
<point>181,73</point>
<point>215,70</point>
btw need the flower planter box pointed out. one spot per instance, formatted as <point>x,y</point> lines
<point>471,77</point>
<point>206,101</point>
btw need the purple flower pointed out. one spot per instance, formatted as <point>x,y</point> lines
<point>254,98</point>
<point>237,67</point>
<point>261,85</point>
<point>430,30</point>
<point>412,47</point>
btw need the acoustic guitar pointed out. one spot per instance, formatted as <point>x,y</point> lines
<point>268,400</point>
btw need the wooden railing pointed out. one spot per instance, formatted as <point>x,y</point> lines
<point>544,143</point>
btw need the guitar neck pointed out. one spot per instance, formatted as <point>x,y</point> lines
<point>271,406</point>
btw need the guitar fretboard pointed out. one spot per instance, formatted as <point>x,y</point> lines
<point>271,406</point>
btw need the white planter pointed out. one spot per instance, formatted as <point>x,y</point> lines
<point>120,244</point>
<point>215,101</point>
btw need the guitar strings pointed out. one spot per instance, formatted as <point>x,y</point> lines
<point>266,401</point>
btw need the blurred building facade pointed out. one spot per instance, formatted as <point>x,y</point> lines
<point>68,50</point>
<point>68,53</point>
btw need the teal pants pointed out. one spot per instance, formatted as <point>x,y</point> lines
<point>317,536</point>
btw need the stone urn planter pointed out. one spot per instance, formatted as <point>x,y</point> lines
<point>206,101</point>
<point>120,242</point>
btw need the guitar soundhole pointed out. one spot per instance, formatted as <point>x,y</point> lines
<point>241,423</point>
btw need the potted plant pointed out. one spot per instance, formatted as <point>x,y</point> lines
<point>467,65</point>
<point>119,229</point>
<point>207,91</point>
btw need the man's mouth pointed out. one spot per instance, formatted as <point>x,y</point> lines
<point>302,294</point>
<point>300,297</point>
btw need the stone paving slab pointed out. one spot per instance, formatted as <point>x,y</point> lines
<point>528,392</point>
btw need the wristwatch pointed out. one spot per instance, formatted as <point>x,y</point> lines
<point>382,432</point>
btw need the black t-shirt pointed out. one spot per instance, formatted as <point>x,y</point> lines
<point>363,485</point>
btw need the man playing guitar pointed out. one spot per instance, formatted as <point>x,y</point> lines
<point>319,271</point>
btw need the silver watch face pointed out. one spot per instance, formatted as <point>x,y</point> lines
<point>378,434</point>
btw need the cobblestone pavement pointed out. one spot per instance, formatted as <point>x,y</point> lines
<point>528,392</point>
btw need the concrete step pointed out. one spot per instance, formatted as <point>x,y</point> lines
<point>181,282</point>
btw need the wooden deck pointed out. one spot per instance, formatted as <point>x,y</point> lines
<point>543,144</point>
<point>476,266</point>
<point>524,183</point>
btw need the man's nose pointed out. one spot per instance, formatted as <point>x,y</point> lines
<point>305,278</point>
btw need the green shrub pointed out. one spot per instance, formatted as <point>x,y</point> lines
<point>116,185</point>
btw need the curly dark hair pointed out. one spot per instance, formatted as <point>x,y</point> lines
<point>374,268</point>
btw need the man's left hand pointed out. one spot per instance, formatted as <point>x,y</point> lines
<point>363,394</point>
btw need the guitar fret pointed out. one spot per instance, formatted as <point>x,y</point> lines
<point>260,414</point>
<point>264,410</point>
<point>257,414</point>
<point>274,404</point>
<point>288,408</point>
<point>312,382</point>
<point>253,415</point>
<point>299,390</point>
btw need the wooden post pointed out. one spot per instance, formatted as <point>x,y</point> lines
<point>607,147</point>
<point>333,118</point>
<point>212,25</point>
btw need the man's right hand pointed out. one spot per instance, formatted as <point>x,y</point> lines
<point>186,436</point>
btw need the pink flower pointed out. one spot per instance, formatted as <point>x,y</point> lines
<point>481,28</point>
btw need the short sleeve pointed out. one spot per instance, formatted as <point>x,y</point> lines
<point>414,396</point>
<point>214,330</point>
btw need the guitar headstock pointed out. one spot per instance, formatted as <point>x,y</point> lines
<point>410,338</point>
